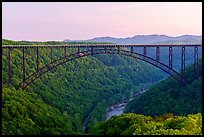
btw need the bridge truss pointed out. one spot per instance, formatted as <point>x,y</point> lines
<point>91,49</point>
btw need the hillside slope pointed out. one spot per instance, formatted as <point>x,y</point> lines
<point>137,124</point>
<point>170,96</point>
<point>167,108</point>
<point>75,89</point>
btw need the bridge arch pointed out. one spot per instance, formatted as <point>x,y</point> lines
<point>47,67</point>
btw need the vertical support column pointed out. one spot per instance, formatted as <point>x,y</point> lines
<point>92,50</point>
<point>50,54</point>
<point>170,57</point>
<point>118,49</point>
<point>37,62</point>
<point>65,51</point>
<point>88,48</point>
<point>9,67</point>
<point>183,65</point>
<point>78,49</point>
<point>105,48</point>
<point>23,65</point>
<point>157,53</point>
<point>195,62</point>
<point>131,49</point>
<point>145,52</point>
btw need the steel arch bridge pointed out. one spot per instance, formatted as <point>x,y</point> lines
<point>92,49</point>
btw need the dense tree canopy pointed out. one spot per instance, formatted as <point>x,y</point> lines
<point>66,95</point>
<point>160,104</point>
<point>58,102</point>
<point>137,124</point>
<point>170,96</point>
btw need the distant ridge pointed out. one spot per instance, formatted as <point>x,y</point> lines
<point>148,39</point>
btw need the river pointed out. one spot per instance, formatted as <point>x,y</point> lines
<point>118,109</point>
<point>114,110</point>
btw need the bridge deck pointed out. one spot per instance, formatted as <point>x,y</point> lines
<point>103,45</point>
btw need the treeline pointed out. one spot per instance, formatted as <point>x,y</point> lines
<point>59,101</point>
<point>137,124</point>
<point>11,42</point>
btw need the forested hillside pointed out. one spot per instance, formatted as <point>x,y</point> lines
<point>26,113</point>
<point>137,124</point>
<point>167,108</point>
<point>170,96</point>
<point>59,101</point>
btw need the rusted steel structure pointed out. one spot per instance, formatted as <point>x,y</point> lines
<point>91,49</point>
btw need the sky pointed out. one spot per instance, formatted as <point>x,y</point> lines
<point>44,21</point>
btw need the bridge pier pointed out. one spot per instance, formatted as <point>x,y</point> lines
<point>78,49</point>
<point>183,65</point>
<point>50,54</point>
<point>144,52</point>
<point>131,49</point>
<point>37,62</point>
<point>9,67</point>
<point>105,49</point>
<point>118,49</point>
<point>92,51</point>
<point>157,54</point>
<point>23,64</point>
<point>170,57</point>
<point>195,62</point>
<point>65,50</point>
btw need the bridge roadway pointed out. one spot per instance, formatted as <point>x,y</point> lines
<point>103,49</point>
<point>103,45</point>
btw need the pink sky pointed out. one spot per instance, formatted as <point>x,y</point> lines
<point>44,21</point>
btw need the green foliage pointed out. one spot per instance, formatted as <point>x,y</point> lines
<point>137,124</point>
<point>67,94</point>
<point>170,96</point>
<point>11,42</point>
<point>24,113</point>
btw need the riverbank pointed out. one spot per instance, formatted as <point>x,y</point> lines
<point>113,110</point>
<point>117,109</point>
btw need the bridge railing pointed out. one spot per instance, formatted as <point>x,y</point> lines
<point>91,49</point>
<point>103,45</point>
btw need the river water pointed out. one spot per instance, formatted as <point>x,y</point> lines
<point>114,110</point>
<point>119,108</point>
